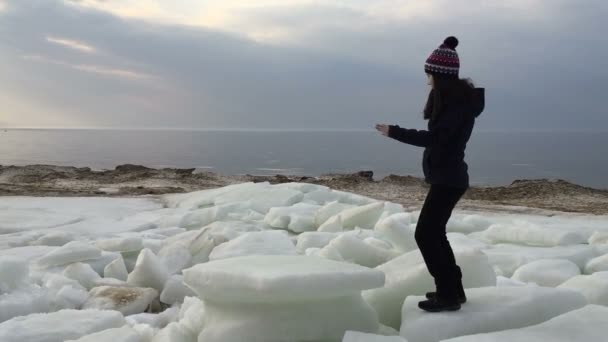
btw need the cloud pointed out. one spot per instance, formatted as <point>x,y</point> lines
<point>297,64</point>
<point>71,44</point>
<point>93,69</point>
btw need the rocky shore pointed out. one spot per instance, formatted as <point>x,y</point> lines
<point>132,180</point>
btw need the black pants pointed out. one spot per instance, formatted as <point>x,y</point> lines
<point>433,242</point>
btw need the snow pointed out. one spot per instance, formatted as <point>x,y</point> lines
<point>547,272</point>
<point>284,262</point>
<point>585,324</point>
<point>59,326</point>
<point>488,309</point>
<point>354,336</point>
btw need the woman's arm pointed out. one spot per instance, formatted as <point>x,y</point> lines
<point>439,134</point>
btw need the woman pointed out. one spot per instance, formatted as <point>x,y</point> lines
<point>451,109</point>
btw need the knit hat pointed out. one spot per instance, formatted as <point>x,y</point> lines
<point>444,61</point>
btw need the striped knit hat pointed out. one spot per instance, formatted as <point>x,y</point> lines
<point>444,61</point>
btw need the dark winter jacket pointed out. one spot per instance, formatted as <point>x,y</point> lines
<point>445,142</point>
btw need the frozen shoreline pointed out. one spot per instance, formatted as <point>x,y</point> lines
<point>525,196</point>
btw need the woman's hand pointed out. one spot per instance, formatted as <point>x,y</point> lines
<point>382,129</point>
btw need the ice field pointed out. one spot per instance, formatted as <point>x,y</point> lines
<point>293,262</point>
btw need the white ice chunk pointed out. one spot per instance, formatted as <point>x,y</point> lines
<point>56,238</point>
<point>467,224</point>
<point>398,230</point>
<point>351,198</point>
<point>313,240</point>
<point>175,290</point>
<point>176,257</point>
<point>365,216</point>
<point>229,230</point>
<point>598,238</point>
<point>321,196</point>
<point>116,269</point>
<point>127,300</point>
<point>99,264</point>
<point>407,275</point>
<point>69,297</point>
<point>126,244</point>
<point>507,258</point>
<point>199,218</point>
<point>353,336</point>
<point>508,282</point>
<point>378,243</point>
<point>594,287</point>
<point>124,334</point>
<point>488,309</point>
<point>59,326</point>
<point>585,324</point>
<point>274,278</point>
<point>156,320</point>
<point>258,243</point>
<point>297,218</point>
<point>309,320</point>
<point>148,272</point>
<point>191,315</point>
<point>332,225</point>
<point>175,332</point>
<point>71,252</point>
<point>30,299</point>
<point>329,210</point>
<point>356,251</point>
<point>523,232</point>
<point>331,254</point>
<point>461,241</point>
<point>83,274</point>
<point>547,272</point>
<point>597,264</point>
<point>14,273</point>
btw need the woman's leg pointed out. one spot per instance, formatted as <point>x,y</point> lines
<point>432,239</point>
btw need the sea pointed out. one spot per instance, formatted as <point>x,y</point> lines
<point>494,158</point>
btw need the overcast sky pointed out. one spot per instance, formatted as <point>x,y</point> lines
<point>297,64</point>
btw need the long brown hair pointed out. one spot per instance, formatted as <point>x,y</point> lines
<point>447,93</point>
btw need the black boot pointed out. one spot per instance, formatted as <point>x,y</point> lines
<point>460,295</point>
<point>462,298</point>
<point>439,304</point>
<point>456,283</point>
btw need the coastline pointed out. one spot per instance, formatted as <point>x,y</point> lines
<point>522,196</point>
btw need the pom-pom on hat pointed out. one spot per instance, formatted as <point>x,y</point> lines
<point>444,61</point>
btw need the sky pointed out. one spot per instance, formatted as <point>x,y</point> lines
<point>296,64</point>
